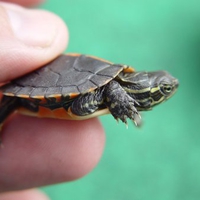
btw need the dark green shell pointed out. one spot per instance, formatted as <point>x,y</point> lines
<point>66,75</point>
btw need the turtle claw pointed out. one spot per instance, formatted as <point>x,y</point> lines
<point>137,120</point>
<point>126,125</point>
<point>117,120</point>
<point>124,111</point>
<point>124,120</point>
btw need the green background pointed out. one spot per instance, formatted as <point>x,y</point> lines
<point>161,160</point>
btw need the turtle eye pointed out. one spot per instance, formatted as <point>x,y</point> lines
<point>167,88</point>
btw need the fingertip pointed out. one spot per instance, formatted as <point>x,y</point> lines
<point>43,38</point>
<point>51,151</point>
<point>31,194</point>
<point>90,143</point>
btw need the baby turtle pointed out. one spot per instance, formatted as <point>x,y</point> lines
<point>76,86</point>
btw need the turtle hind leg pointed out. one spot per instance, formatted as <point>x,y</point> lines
<point>86,104</point>
<point>7,106</point>
<point>120,104</point>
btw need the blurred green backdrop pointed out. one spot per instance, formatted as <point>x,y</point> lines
<point>161,160</point>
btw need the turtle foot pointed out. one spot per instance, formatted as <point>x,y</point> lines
<point>120,104</point>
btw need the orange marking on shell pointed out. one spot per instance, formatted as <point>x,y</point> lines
<point>9,94</point>
<point>58,98</point>
<point>61,113</point>
<point>73,95</point>
<point>44,112</point>
<point>38,97</point>
<point>25,96</point>
<point>128,69</point>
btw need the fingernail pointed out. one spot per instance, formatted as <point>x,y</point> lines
<point>32,27</point>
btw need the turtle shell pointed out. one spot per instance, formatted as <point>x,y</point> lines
<point>67,75</point>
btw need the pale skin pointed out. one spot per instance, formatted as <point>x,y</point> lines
<point>39,151</point>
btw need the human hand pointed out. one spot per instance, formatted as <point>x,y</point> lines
<point>39,151</point>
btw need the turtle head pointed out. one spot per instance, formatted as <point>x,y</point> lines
<point>162,86</point>
<point>150,88</point>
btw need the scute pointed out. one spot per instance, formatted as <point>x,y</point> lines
<point>87,84</point>
<point>67,90</point>
<point>52,90</point>
<point>67,74</point>
<point>38,91</point>
<point>24,90</point>
<point>43,77</point>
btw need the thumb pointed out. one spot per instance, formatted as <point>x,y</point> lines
<point>28,39</point>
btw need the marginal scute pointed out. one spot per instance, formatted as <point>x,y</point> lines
<point>100,80</point>
<point>10,89</point>
<point>52,90</point>
<point>70,89</point>
<point>83,88</point>
<point>38,92</point>
<point>24,91</point>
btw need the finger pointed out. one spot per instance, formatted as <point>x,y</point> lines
<point>25,2</point>
<point>32,194</point>
<point>45,151</point>
<point>28,39</point>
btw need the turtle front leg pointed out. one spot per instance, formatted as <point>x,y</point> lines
<point>120,104</point>
<point>111,96</point>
